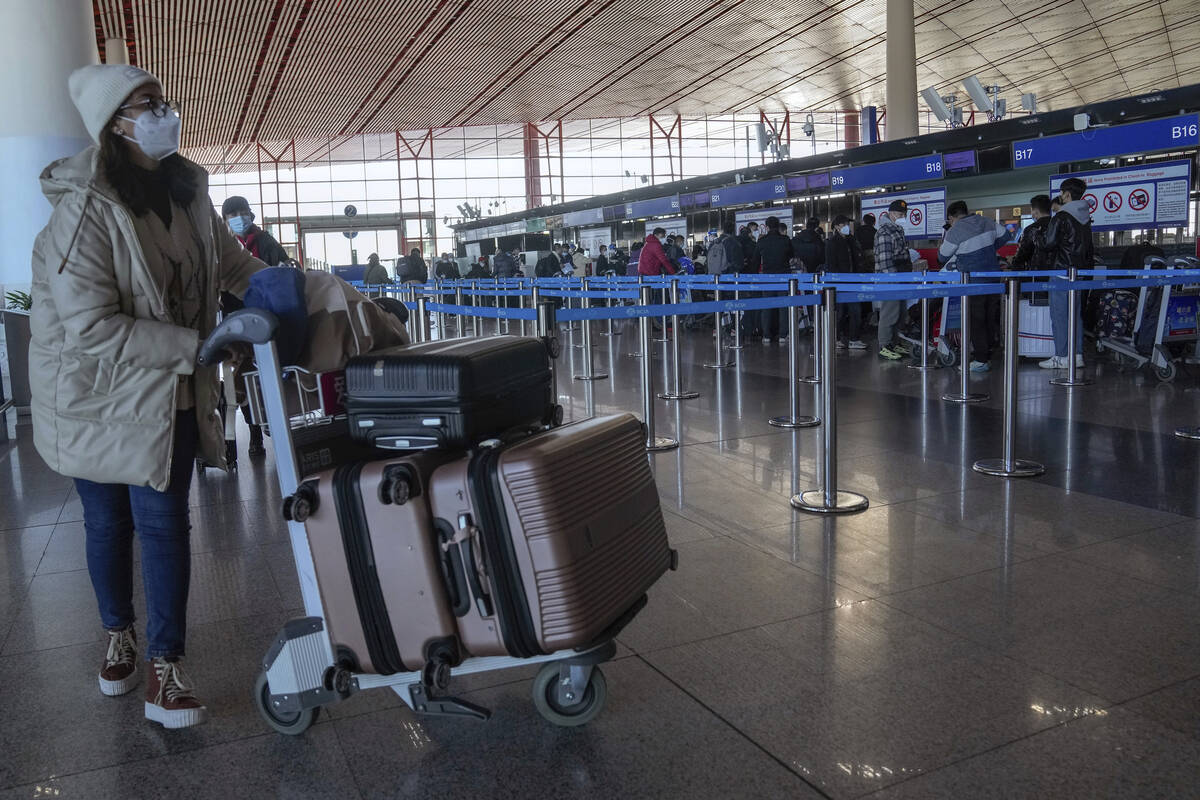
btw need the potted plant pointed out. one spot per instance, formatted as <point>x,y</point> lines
<point>16,342</point>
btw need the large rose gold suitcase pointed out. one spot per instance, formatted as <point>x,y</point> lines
<point>559,534</point>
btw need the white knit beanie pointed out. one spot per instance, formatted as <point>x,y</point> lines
<point>100,89</point>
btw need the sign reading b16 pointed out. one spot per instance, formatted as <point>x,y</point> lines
<point>1150,196</point>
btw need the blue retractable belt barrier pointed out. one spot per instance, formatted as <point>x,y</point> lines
<point>870,293</point>
<point>481,311</point>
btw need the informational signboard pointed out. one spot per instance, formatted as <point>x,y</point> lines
<point>1151,196</point>
<point>575,218</point>
<point>535,225</point>
<point>1136,137</point>
<point>659,206</point>
<point>473,251</point>
<point>676,226</point>
<point>694,201</point>
<point>759,215</point>
<point>907,170</point>
<point>744,193</point>
<point>926,211</point>
<point>590,240</point>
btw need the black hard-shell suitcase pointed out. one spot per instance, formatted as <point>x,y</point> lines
<point>449,394</point>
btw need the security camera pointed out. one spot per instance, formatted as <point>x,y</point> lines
<point>808,126</point>
<point>1081,122</point>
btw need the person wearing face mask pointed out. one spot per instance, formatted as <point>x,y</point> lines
<point>653,260</point>
<point>126,278</point>
<point>891,255</point>
<point>262,245</point>
<point>842,255</point>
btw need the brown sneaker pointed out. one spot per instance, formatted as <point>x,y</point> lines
<point>120,673</point>
<point>169,699</point>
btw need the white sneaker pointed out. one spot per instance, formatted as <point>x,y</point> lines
<point>855,344</point>
<point>1079,361</point>
<point>1054,362</point>
<point>841,345</point>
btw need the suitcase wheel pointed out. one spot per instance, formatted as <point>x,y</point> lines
<point>556,702</point>
<point>291,724</point>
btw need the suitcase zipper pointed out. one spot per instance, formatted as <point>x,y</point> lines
<point>364,578</point>
<point>516,623</point>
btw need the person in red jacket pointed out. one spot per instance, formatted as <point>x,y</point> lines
<point>653,260</point>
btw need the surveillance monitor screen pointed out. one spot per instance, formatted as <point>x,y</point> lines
<point>960,163</point>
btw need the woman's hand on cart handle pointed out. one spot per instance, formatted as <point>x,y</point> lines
<point>248,326</point>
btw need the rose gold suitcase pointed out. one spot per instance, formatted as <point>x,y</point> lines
<point>389,589</point>
<point>560,535</point>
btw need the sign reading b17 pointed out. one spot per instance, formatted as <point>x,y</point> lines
<point>1135,198</point>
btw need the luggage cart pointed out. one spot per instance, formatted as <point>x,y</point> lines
<point>946,334</point>
<point>227,407</point>
<point>1175,325</point>
<point>304,669</point>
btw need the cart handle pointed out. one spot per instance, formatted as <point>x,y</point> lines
<point>249,325</point>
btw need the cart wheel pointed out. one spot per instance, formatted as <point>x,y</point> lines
<point>948,358</point>
<point>292,724</point>
<point>545,698</point>
<point>1165,374</point>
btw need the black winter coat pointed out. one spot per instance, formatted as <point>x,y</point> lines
<point>840,254</point>
<point>810,250</point>
<point>1068,240</point>
<point>773,254</point>
<point>1028,254</point>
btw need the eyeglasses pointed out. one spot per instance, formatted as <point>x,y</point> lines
<point>158,108</point>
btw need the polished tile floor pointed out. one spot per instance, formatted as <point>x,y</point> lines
<point>965,637</point>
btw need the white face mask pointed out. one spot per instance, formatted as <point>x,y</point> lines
<point>845,229</point>
<point>158,137</point>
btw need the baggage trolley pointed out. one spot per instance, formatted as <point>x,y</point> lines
<point>1176,324</point>
<point>303,671</point>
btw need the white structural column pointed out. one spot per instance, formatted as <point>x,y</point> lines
<point>41,43</point>
<point>116,51</point>
<point>901,87</point>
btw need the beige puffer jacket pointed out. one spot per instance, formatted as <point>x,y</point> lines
<point>105,358</point>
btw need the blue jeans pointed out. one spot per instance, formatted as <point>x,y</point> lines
<point>1059,323</point>
<point>111,512</point>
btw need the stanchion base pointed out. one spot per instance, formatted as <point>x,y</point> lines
<point>663,340</point>
<point>1190,432</point>
<point>595,376</point>
<point>1068,382</point>
<point>686,394</point>
<point>735,347</point>
<point>660,443</point>
<point>810,379</point>
<point>794,422</point>
<point>814,501</point>
<point>924,368</point>
<point>721,365</point>
<point>1021,468</point>
<point>965,398</point>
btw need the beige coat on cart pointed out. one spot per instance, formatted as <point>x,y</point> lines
<point>105,358</point>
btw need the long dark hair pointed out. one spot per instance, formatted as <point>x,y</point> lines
<point>127,177</point>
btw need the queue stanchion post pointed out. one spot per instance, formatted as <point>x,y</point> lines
<point>736,316</point>
<point>828,499</point>
<point>440,316</point>
<point>422,323</point>
<point>547,328</point>
<point>460,326</point>
<point>816,352</point>
<point>1188,432</point>
<point>666,333</point>
<point>1073,377</point>
<point>677,391</point>
<point>923,365</point>
<point>795,419</point>
<point>640,352</point>
<point>964,393</point>
<point>1009,466</point>
<point>590,373</point>
<point>654,443</point>
<point>719,361</point>
<point>583,324</point>
<point>475,329</point>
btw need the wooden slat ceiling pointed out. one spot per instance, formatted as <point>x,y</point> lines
<point>275,70</point>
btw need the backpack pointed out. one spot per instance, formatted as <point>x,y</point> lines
<point>718,257</point>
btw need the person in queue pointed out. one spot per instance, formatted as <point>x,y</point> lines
<point>602,260</point>
<point>972,241</point>
<point>842,255</point>
<point>891,255</point>
<point>809,247</point>
<point>412,268</point>
<point>446,269</point>
<point>653,259</point>
<point>504,263</point>
<point>773,256</point>
<point>549,265</point>
<point>376,274</point>
<point>240,219</point>
<point>1067,239</point>
<point>126,279</point>
<point>746,240</point>
<point>1028,255</point>
<point>478,271</point>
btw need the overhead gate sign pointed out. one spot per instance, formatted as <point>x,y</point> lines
<point>1152,196</point>
<point>926,211</point>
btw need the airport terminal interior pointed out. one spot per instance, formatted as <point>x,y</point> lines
<point>896,303</point>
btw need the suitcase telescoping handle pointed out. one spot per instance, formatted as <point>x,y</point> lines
<point>247,326</point>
